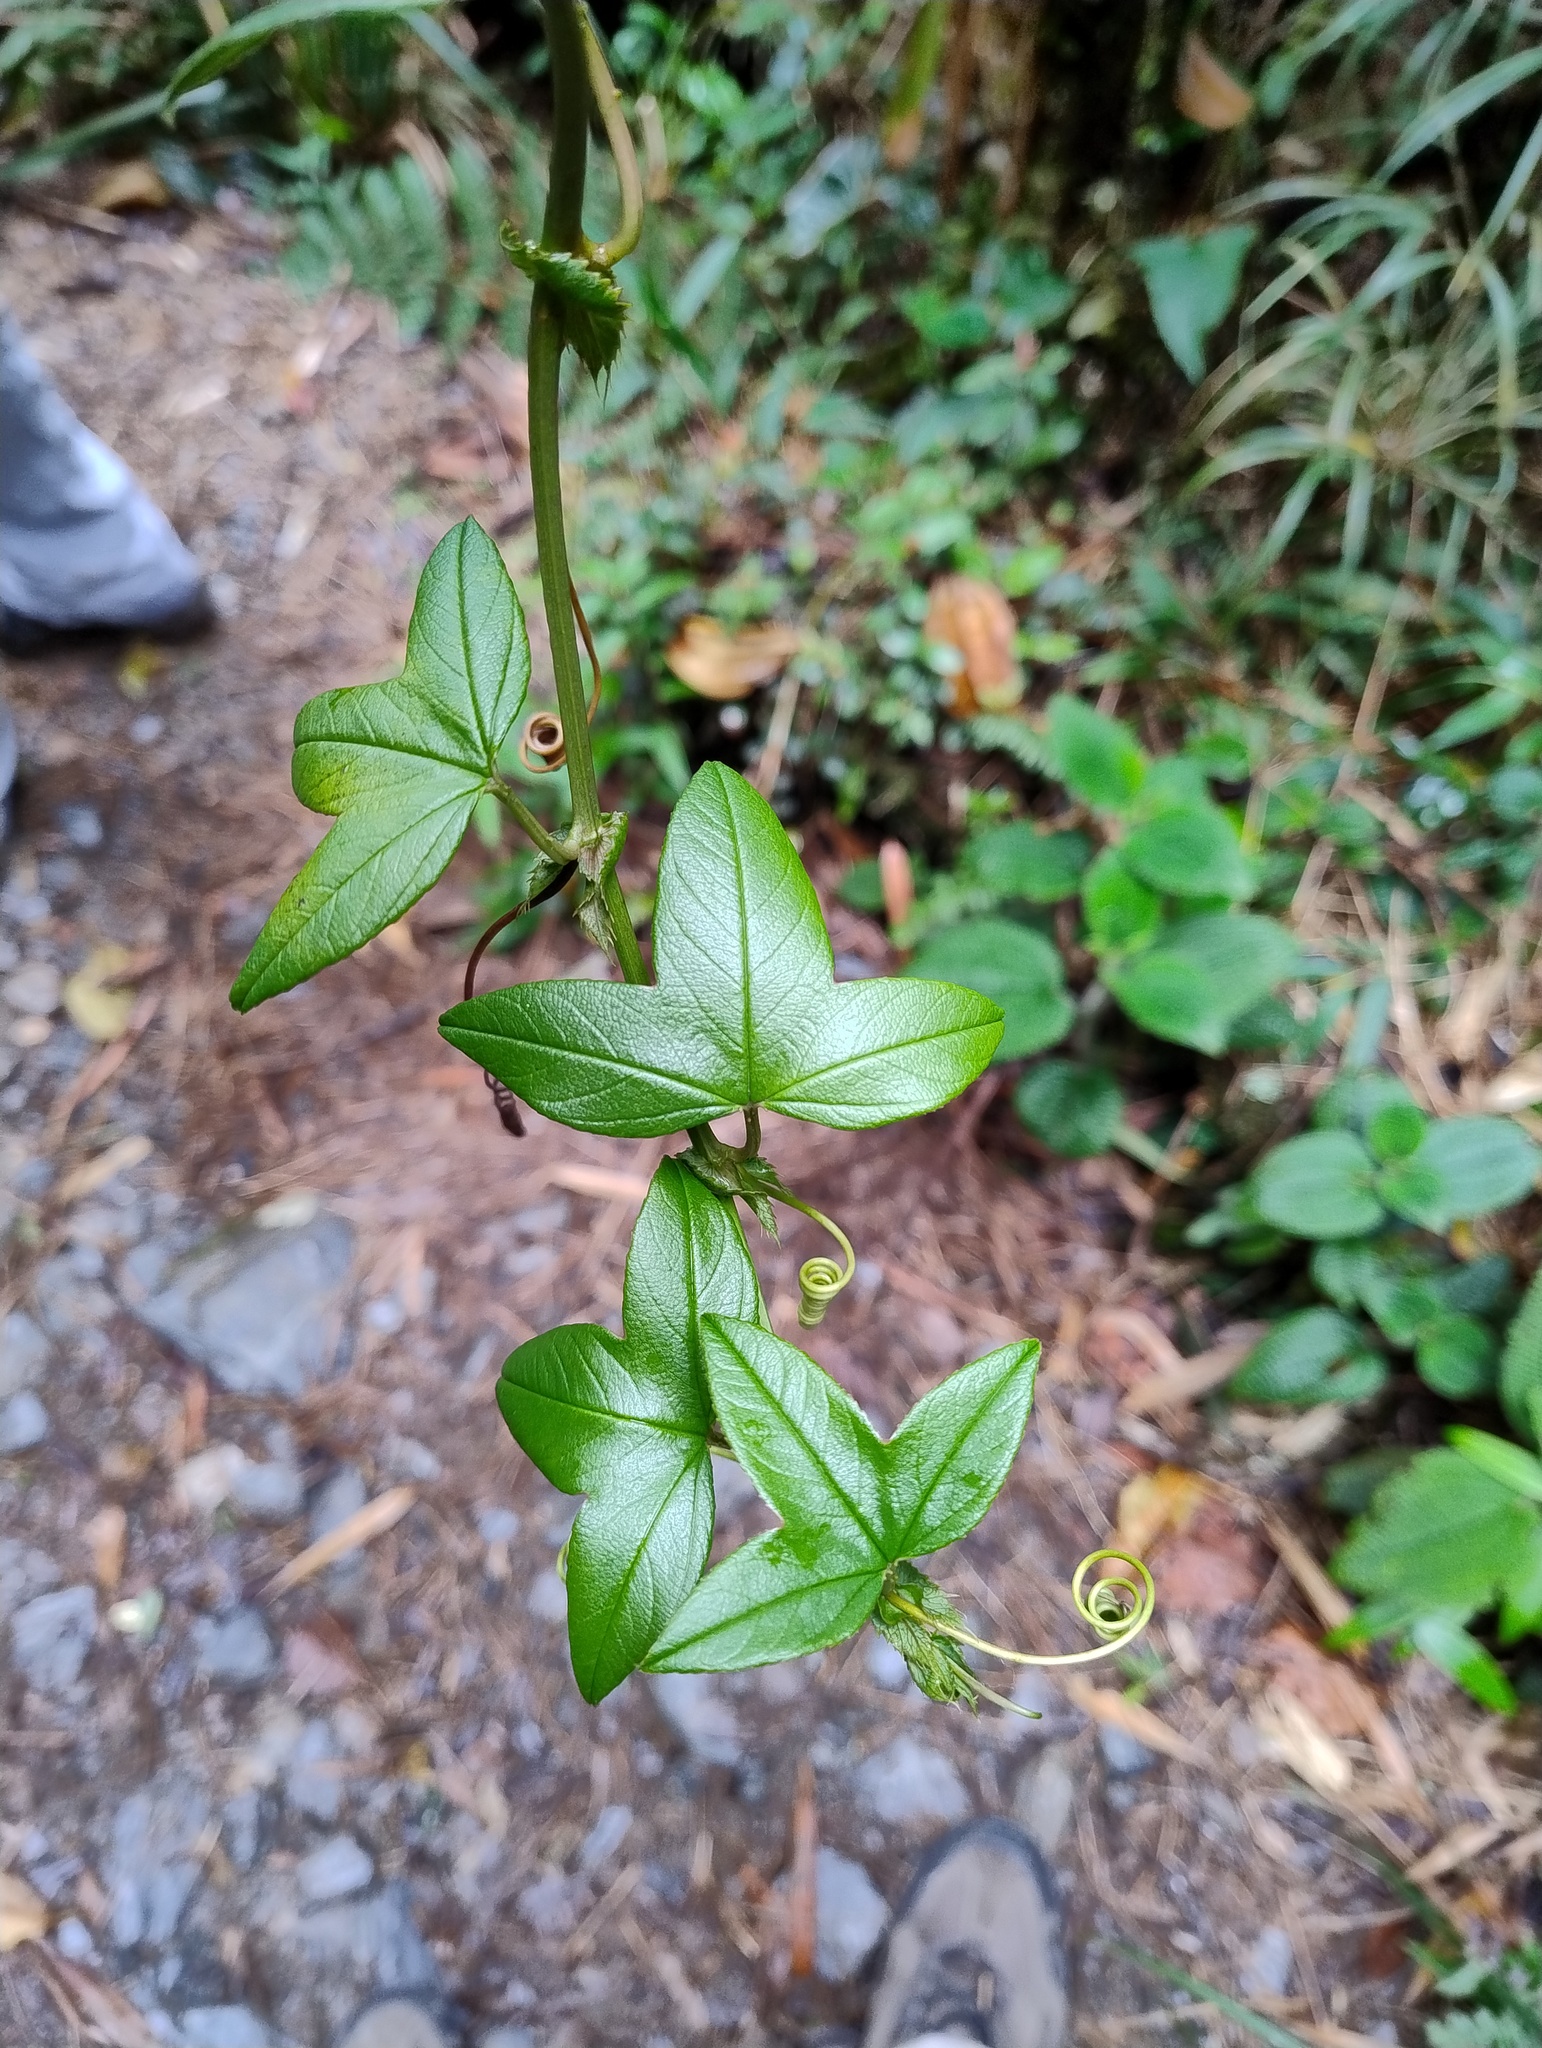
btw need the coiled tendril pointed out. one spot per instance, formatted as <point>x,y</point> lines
<point>1117,1609</point>
<point>820,1279</point>
<point>543,746</point>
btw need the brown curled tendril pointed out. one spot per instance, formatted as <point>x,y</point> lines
<point>504,1099</point>
<point>543,745</point>
<point>1117,1609</point>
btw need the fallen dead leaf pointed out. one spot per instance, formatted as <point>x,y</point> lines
<point>464,462</point>
<point>92,2007</point>
<point>128,187</point>
<point>23,1916</point>
<point>320,1660</point>
<point>1192,1378</point>
<point>725,666</point>
<point>1154,1503</point>
<point>1205,92</point>
<point>1331,1693</point>
<point>96,1173</point>
<point>898,882</point>
<point>1113,1710</point>
<point>1211,1572</point>
<point>1111,1334</point>
<point>1292,1733</point>
<point>368,1522</point>
<point>973,618</point>
<point>106,1536</point>
<point>98,1004</point>
<point>603,1182</point>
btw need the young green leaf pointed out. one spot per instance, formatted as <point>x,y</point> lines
<point>1200,974</point>
<point>1191,281</point>
<point>1292,1362</point>
<point>1193,851</point>
<point>1096,758</point>
<point>1318,1186</point>
<point>400,765</point>
<point>1121,912</point>
<point>1481,1163</point>
<point>1461,1656</point>
<point>625,1420</point>
<point>1016,860</point>
<point>745,1011</point>
<point>593,308</point>
<point>1011,966</point>
<point>1520,1369</point>
<point>851,1505</point>
<point>1074,1109</point>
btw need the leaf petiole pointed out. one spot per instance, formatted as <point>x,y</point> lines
<point>527,821</point>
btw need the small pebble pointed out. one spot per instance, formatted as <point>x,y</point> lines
<point>907,1781</point>
<point>548,1599</point>
<point>23,1423</point>
<point>34,990</point>
<point>338,1867</point>
<point>73,1940</point>
<point>605,1837</point>
<point>1123,1754</point>
<point>81,825</point>
<point>699,1715</point>
<point>237,1652</point>
<point>268,1493</point>
<point>1270,1965</point>
<point>497,1525</point>
<point>146,729</point>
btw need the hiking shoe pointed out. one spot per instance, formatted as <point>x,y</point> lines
<point>976,1952</point>
<point>395,2023</point>
<point>81,545</point>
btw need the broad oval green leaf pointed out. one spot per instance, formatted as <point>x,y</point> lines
<point>1318,1186</point>
<point>625,1420</point>
<point>1290,1364</point>
<point>1097,758</point>
<point>1121,912</point>
<point>746,1010</point>
<point>400,765</point>
<point>1520,1369</point>
<point>1194,851</point>
<point>1016,860</point>
<point>1481,1163</point>
<point>1456,1356</point>
<point>851,1505</point>
<point>1074,1109</point>
<point>1191,281</point>
<point>248,34</point>
<point>1200,974</point>
<point>1013,967</point>
<point>1500,1459</point>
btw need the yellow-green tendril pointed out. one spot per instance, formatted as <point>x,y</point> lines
<point>607,102</point>
<point>1118,1609</point>
<point>820,1279</point>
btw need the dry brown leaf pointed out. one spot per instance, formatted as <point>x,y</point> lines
<point>127,187</point>
<point>98,1004</point>
<point>1293,1734</point>
<point>1154,1503</point>
<point>106,1535</point>
<point>464,462</point>
<point>603,1182</point>
<point>1518,1087</point>
<point>23,1916</point>
<point>1192,1378</point>
<point>897,881</point>
<point>971,616</point>
<point>320,1660</point>
<point>1460,1846</point>
<point>1336,1699</point>
<point>1111,1334</point>
<point>1204,91</point>
<point>363,1526</point>
<point>97,1172</point>
<point>1115,1711</point>
<point>725,666</point>
<point>102,2014</point>
<point>1210,1572</point>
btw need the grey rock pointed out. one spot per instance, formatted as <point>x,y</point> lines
<point>374,1940</point>
<point>309,1786</point>
<point>23,1572</point>
<point>241,1827</point>
<point>1270,1965</point>
<point>907,1781</point>
<point>1044,1796</point>
<point>223,2026</point>
<point>261,1309</point>
<point>610,1830</point>
<point>547,1599</point>
<point>267,1493</point>
<point>235,1652</point>
<point>509,2037</point>
<point>338,1867</point>
<point>67,1303</point>
<point>551,1904</point>
<point>885,1665</point>
<point>406,1458</point>
<point>699,1715</point>
<point>23,1423</point>
<point>1123,1754</point>
<point>51,1635</point>
<point>342,1495</point>
<point>497,1524</point>
<point>34,989</point>
<point>850,1916</point>
<point>154,1860</point>
<point>23,1353</point>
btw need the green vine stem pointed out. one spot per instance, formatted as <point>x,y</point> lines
<point>820,1279</point>
<point>562,229</point>
<point>1117,1609</point>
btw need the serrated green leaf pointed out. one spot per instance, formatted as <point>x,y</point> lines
<point>1455,1356</point>
<point>594,309</point>
<point>1500,1459</point>
<point>1441,1537</point>
<point>1200,974</point>
<point>400,765</point>
<point>1474,1165</point>
<point>1014,968</point>
<point>247,35</point>
<point>1121,912</point>
<point>1194,851</point>
<point>1097,758</point>
<point>1040,867</point>
<point>1442,1639</point>
<point>1074,1109</point>
<point>1520,1369</point>
<point>1318,1186</point>
<point>1291,1363</point>
<point>625,1420</point>
<point>851,1505</point>
<point>745,1011</point>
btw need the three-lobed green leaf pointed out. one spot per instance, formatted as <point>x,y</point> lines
<point>851,1505</point>
<point>625,1420</point>
<point>400,765</point>
<point>745,1011</point>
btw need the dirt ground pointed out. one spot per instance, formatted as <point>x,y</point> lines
<point>556,1876</point>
